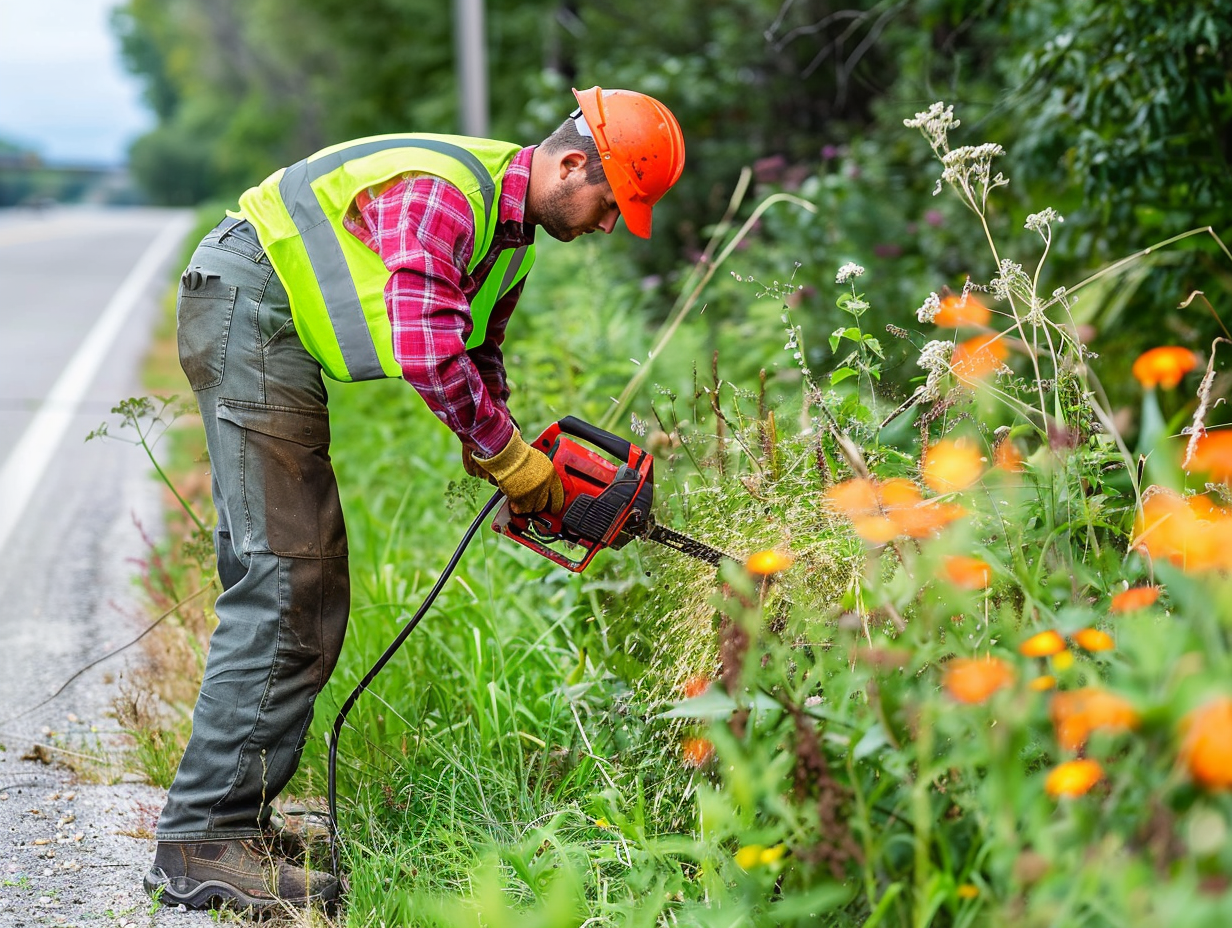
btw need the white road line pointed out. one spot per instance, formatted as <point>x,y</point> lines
<point>30,457</point>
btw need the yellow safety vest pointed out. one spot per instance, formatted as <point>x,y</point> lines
<point>336,283</point>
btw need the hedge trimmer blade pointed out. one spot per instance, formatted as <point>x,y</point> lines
<point>686,545</point>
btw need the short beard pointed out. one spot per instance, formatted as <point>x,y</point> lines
<point>557,217</point>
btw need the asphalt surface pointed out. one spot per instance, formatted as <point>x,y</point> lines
<point>79,517</point>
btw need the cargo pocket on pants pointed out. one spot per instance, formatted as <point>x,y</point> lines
<point>290,492</point>
<point>203,318</point>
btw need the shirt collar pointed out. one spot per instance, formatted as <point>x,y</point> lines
<point>513,188</point>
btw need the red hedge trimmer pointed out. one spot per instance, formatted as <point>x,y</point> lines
<point>606,505</point>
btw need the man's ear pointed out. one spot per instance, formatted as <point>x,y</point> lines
<point>572,161</point>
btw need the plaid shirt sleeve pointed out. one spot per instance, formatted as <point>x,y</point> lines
<point>424,232</point>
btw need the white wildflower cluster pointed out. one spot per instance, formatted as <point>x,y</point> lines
<point>1011,281</point>
<point>934,358</point>
<point>970,166</point>
<point>1042,221</point>
<point>848,271</point>
<point>935,123</point>
<point>928,312</point>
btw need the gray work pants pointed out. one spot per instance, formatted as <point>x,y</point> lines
<point>280,540</point>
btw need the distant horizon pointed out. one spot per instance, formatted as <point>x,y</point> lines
<point>67,97</point>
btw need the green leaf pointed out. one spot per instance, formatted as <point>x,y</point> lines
<point>838,376</point>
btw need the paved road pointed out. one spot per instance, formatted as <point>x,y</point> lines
<point>79,289</point>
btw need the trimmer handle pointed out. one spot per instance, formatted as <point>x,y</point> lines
<point>614,445</point>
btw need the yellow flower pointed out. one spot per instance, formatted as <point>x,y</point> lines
<point>765,563</point>
<point>1063,661</point>
<point>952,465</point>
<point>773,854</point>
<point>749,857</point>
<point>1042,645</point>
<point>1044,683</point>
<point>1073,778</point>
<point>968,891</point>
<point>1093,639</point>
<point>602,823</point>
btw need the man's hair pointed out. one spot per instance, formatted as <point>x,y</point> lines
<point>567,137</point>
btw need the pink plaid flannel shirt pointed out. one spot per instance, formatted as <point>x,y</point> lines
<point>422,228</point>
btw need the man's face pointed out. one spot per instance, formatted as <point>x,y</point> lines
<point>574,207</point>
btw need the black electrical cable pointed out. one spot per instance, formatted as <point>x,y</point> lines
<point>380,664</point>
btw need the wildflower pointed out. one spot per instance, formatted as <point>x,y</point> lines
<point>1042,221</point>
<point>1044,644</point>
<point>1207,748</point>
<point>1073,778</point>
<point>772,854</point>
<point>934,358</point>
<point>697,751</point>
<point>974,680</point>
<point>749,856</point>
<point>969,573</point>
<point>847,272</point>
<point>1212,455</point>
<point>978,357</point>
<point>968,891</point>
<point>602,823</point>
<point>928,312</point>
<point>957,310</point>
<point>1164,366</point>
<point>1192,532</point>
<point>1093,639</point>
<point>695,686</point>
<point>855,497</point>
<point>1136,597</point>
<point>1011,280</point>
<point>1007,457</point>
<point>934,122</point>
<point>767,563</point>
<point>876,530</point>
<point>1063,661</point>
<point>1042,684</point>
<point>952,465</point>
<point>1078,713</point>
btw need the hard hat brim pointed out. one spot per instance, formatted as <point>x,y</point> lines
<point>636,216</point>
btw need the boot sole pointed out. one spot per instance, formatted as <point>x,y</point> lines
<point>212,894</point>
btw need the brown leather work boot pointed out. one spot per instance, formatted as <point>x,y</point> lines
<point>236,874</point>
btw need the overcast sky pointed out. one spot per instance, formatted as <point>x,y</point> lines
<point>63,89</point>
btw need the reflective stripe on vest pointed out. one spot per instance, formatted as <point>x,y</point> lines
<point>334,281</point>
<point>328,264</point>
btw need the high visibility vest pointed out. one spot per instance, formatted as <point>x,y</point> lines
<point>336,283</point>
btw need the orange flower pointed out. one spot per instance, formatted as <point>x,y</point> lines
<point>978,357</point>
<point>952,465</point>
<point>1045,644</point>
<point>1077,713</point>
<point>1007,457</point>
<point>1191,532</point>
<point>766,563</point>
<point>696,751</point>
<point>1136,597</point>
<point>1044,683</point>
<point>974,680</point>
<point>1092,639</point>
<point>856,497</point>
<point>969,573</point>
<point>876,530</point>
<point>1164,366</point>
<point>695,686</point>
<point>1207,749</point>
<point>1213,455</point>
<point>958,310</point>
<point>1073,778</point>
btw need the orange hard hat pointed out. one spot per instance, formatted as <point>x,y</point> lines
<point>641,146</point>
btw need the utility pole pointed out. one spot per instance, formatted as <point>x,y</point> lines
<point>472,55</point>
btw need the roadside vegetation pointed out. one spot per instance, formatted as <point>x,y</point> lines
<point>973,671</point>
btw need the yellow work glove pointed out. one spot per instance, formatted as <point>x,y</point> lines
<point>472,468</point>
<point>526,476</point>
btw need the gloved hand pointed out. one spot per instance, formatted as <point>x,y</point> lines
<point>472,468</point>
<point>526,476</point>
